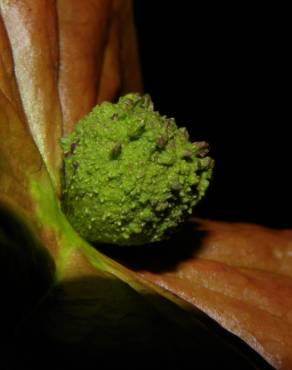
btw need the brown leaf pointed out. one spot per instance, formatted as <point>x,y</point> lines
<point>8,83</point>
<point>129,59</point>
<point>98,55</point>
<point>19,158</point>
<point>238,274</point>
<point>110,79</point>
<point>66,57</point>
<point>31,25</point>
<point>83,28</point>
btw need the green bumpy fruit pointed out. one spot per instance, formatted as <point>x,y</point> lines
<point>131,176</point>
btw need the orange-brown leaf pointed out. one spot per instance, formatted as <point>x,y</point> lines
<point>32,31</point>
<point>83,28</point>
<point>240,275</point>
<point>19,158</point>
<point>59,58</point>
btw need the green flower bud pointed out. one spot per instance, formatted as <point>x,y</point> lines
<point>131,176</point>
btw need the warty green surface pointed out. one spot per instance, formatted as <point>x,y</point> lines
<point>131,176</point>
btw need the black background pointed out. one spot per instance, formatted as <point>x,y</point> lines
<point>222,71</point>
